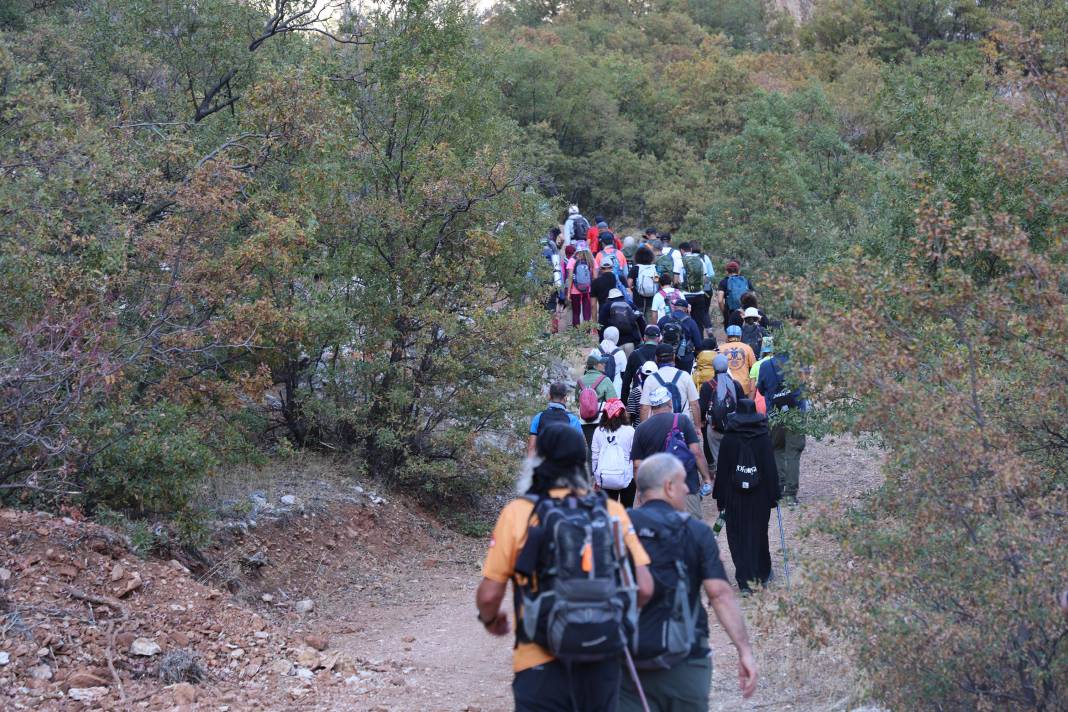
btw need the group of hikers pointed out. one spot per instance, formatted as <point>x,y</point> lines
<point>606,547</point>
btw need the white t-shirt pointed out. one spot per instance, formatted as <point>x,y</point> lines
<point>620,358</point>
<point>685,384</point>
<point>676,259</point>
<point>624,436</point>
<point>662,306</point>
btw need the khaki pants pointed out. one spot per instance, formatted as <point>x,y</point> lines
<point>788,448</point>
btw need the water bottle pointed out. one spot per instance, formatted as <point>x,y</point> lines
<point>718,526</point>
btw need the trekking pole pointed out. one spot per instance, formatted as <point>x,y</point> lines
<point>634,676</point>
<point>782,542</point>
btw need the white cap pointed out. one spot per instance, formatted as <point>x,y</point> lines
<point>751,313</point>
<point>660,396</point>
<point>613,292</point>
<point>572,210</point>
<point>649,368</point>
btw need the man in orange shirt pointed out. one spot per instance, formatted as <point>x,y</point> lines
<point>740,359</point>
<point>542,682</point>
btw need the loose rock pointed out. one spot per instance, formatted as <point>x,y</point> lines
<point>145,646</point>
<point>305,606</point>
<point>319,642</point>
<point>87,694</point>
<point>184,693</point>
<point>41,672</point>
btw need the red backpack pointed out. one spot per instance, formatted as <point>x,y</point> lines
<point>589,402</point>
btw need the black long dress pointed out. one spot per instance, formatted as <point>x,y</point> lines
<point>748,511</point>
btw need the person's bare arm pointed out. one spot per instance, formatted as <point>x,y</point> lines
<point>695,418</point>
<point>721,300</point>
<point>644,578</point>
<point>644,412</point>
<point>532,445</point>
<point>698,451</point>
<point>488,599</point>
<point>729,614</point>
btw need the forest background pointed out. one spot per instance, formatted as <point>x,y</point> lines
<point>230,231</point>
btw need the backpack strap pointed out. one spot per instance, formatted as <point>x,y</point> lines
<point>675,380</point>
<point>597,383</point>
<point>656,375</point>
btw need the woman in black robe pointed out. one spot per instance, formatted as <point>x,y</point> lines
<point>748,511</point>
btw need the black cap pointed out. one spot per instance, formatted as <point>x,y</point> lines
<point>664,351</point>
<point>681,302</point>
<point>652,331</point>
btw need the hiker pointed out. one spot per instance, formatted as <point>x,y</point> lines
<point>719,398</point>
<point>604,282</point>
<point>740,358</point>
<point>675,434</point>
<point>749,301</point>
<point>535,534</point>
<point>666,250</point>
<point>579,282</point>
<point>787,439</point>
<point>551,253</point>
<point>634,400</point>
<point>614,256</point>
<point>617,312</point>
<point>641,354</point>
<point>610,452</point>
<point>630,247</point>
<point>575,228</point>
<point>592,390</point>
<point>679,384</point>
<point>556,413</point>
<point>752,332</point>
<point>605,237</point>
<point>767,350</point>
<point>730,291</point>
<point>703,374</point>
<point>665,295</point>
<point>673,656</point>
<point>644,279</point>
<point>680,330</point>
<point>693,286</point>
<point>709,275</point>
<point>615,357</point>
<point>747,489</point>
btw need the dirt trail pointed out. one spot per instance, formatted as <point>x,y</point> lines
<point>433,655</point>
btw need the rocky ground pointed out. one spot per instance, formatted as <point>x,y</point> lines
<point>320,594</point>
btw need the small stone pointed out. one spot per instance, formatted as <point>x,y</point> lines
<point>235,654</point>
<point>5,575</point>
<point>87,694</point>
<point>352,680</point>
<point>281,667</point>
<point>40,672</point>
<point>177,566</point>
<point>296,692</point>
<point>288,500</point>
<point>304,606</point>
<point>84,679</point>
<point>319,642</point>
<point>117,572</point>
<point>261,635</point>
<point>145,646</point>
<point>132,585</point>
<point>5,657</point>
<point>305,673</point>
<point>184,693</point>
<point>306,657</point>
<point>43,652</point>
<point>180,639</point>
<point>266,598</point>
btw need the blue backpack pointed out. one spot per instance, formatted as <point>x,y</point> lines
<point>737,285</point>
<point>673,389</point>
<point>675,444</point>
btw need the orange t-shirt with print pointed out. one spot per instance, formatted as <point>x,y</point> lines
<point>740,359</point>
<point>509,536</point>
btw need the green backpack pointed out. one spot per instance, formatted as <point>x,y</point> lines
<point>665,264</point>
<point>695,273</point>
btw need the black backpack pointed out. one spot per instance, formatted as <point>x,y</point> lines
<point>718,412</point>
<point>672,387</point>
<point>580,226</point>
<point>574,601</point>
<point>671,332</point>
<point>621,316</point>
<point>553,415</point>
<point>667,624</point>
<point>746,472</point>
<point>753,334</point>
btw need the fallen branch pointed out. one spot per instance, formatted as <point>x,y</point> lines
<point>114,605</point>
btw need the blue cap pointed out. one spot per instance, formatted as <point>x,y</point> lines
<point>734,330</point>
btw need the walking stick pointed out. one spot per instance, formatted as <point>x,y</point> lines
<point>782,542</point>
<point>634,676</point>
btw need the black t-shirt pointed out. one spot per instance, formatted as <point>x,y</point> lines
<point>650,436</point>
<point>602,285</point>
<point>700,554</point>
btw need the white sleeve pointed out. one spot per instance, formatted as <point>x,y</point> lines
<point>595,446</point>
<point>691,389</point>
<point>677,257</point>
<point>569,230</point>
